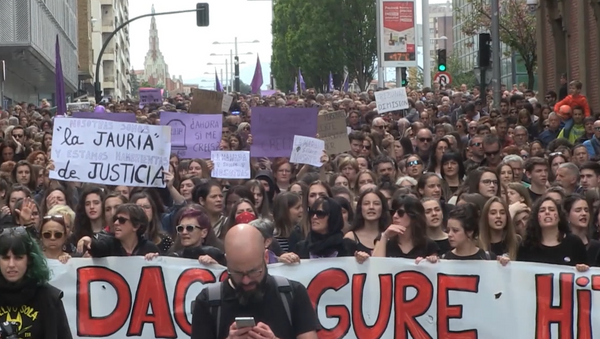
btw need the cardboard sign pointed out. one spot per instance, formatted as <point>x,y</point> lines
<point>307,151</point>
<point>332,129</point>
<point>391,100</point>
<point>206,102</point>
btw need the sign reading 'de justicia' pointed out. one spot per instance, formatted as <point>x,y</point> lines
<point>110,152</point>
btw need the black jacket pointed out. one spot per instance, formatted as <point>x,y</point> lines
<point>197,251</point>
<point>38,311</point>
<point>106,245</point>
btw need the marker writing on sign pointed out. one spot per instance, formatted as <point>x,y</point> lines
<point>66,174</point>
<point>125,140</point>
<point>67,139</point>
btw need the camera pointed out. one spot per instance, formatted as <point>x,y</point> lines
<point>9,330</point>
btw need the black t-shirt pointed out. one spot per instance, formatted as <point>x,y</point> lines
<point>593,251</point>
<point>500,248</point>
<point>534,196</point>
<point>392,250</point>
<point>444,246</point>
<point>480,255</point>
<point>571,251</point>
<point>270,311</point>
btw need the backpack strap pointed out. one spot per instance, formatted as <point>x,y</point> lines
<point>286,295</point>
<point>215,292</point>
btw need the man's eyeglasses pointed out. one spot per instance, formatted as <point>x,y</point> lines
<point>252,274</point>
<point>425,139</point>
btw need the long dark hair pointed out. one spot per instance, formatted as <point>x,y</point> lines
<point>359,219</point>
<point>453,156</point>
<point>416,212</point>
<point>533,231</point>
<point>19,241</point>
<point>82,226</point>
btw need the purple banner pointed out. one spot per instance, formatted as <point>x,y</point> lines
<point>120,117</point>
<point>150,96</point>
<point>268,92</point>
<point>193,135</point>
<point>273,129</point>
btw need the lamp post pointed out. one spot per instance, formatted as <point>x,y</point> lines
<point>236,58</point>
<point>231,64</point>
<point>97,85</point>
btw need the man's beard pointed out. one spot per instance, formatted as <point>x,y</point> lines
<point>252,296</point>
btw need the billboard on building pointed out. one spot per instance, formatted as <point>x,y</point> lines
<point>399,35</point>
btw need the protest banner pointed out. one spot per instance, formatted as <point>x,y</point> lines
<point>231,164</point>
<point>391,100</point>
<point>206,102</point>
<point>78,107</point>
<point>273,129</point>
<point>102,152</point>
<point>382,298</point>
<point>193,135</point>
<point>122,117</point>
<point>307,151</point>
<point>332,130</point>
<point>150,96</point>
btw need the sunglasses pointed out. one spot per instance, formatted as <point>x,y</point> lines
<point>319,213</point>
<point>425,139</point>
<point>50,235</point>
<point>187,228</point>
<point>367,147</point>
<point>58,218</point>
<point>399,211</point>
<point>413,163</point>
<point>555,154</point>
<point>597,128</point>
<point>120,220</point>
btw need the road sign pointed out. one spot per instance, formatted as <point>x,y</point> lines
<point>443,78</point>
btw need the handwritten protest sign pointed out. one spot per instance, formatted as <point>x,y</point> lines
<point>78,107</point>
<point>101,152</point>
<point>122,117</point>
<point>231,164</point>
<point>193,135</point>
<point>391,100</point>
<point>307,151</point>
<point>273,129</point>
<point>150,96</point>
<point>206,102</point>
<point>332,130</point>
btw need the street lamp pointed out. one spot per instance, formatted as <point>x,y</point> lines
<point>532,6</point>
<point>236,59</point>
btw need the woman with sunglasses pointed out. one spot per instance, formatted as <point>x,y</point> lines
<point>24,284</point>
<point>53,236</point>
<point>406,237</point>
<point>325,238</point>
<point>195,239</point>
<point>130,223</point>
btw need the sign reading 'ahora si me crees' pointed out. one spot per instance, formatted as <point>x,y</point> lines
<point>383,298</point>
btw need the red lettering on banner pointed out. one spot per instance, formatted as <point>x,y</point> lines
<point>224,276</point>
<point>407,311</point>
<point>151,292</point>
<point>185,280</point>
<point>546,314</point>
<point>331,279</point>
<point>362,330</point>
<point>584,314</point>
<point>445,311</point>
<point>87,324</point>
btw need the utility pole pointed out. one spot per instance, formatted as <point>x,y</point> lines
<point>380,68</point>
<point>426,44</point>
<point>496,53</point>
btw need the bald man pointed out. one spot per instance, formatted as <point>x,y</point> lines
<point>280,307</point>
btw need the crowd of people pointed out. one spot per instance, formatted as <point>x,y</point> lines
<point>448,179</point>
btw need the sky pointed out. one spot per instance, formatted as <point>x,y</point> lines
<point>187,48</point>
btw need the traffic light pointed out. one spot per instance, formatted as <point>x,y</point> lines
<point>202,18</point>
<point>441,60</point>
<point>484,59</point>
<point>404,79</point>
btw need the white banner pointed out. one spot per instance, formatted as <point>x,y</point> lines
<point>391,100</point>
<point>110,152</point>
<point>383,298</point>
<point>231,164</point>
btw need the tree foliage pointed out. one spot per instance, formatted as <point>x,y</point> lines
<point>517,28</point>
<point>307,36</point>
<point>135,84</point>
<point>461,72</point>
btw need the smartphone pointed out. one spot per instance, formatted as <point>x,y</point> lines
<point>235,113</point>
<point>243,322</point>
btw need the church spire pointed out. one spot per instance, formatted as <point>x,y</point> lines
<point>153,9</point>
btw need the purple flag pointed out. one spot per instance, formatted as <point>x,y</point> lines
<point>59,82</point>
<point>302,83</point>
<point>330,86</point>
<point>295,90</point>
<point>218,85</point>
<point>346,84</point>
<point>273,129</point>
<point>257,79</point>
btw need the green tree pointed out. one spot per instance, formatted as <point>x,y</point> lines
<point>517,28</point>
<point>461,72</point>
<point>135,84</point>
<point>306,36</point>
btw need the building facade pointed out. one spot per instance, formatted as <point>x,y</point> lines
<point>28,31</point>
<point>569,43</point>
<point>156,69</point>
<point>106,16</point>
<point>84,48</point>
<point>441,32</point>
